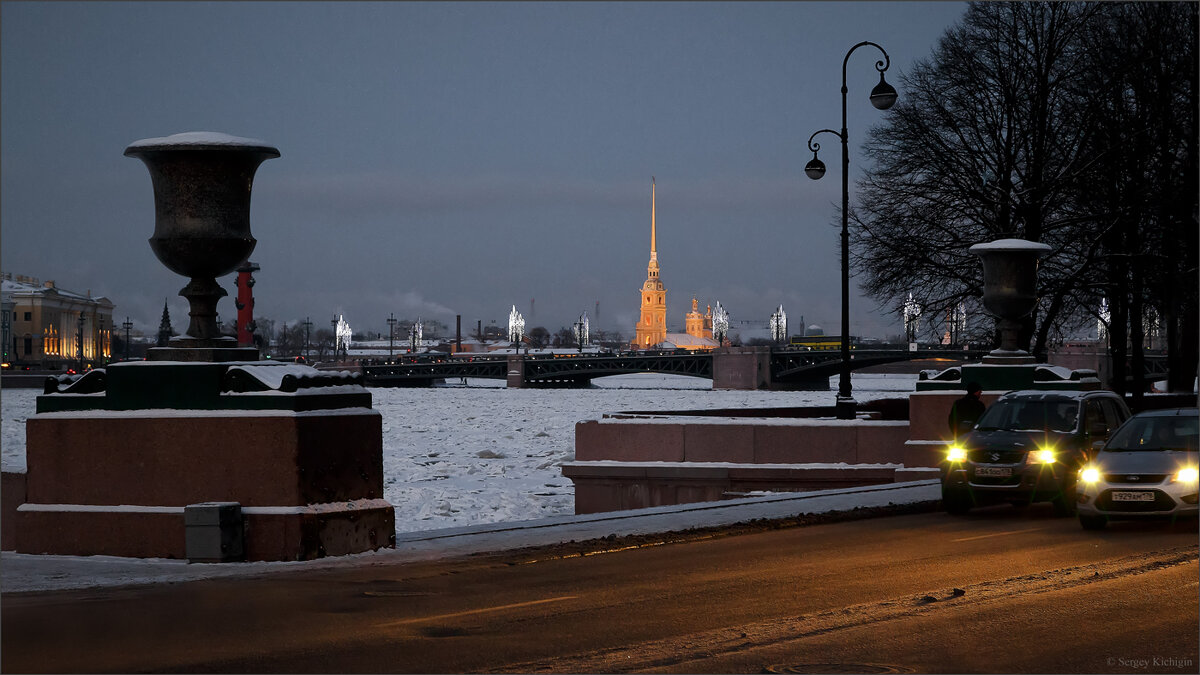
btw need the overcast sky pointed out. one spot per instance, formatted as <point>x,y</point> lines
<point>446,158</point>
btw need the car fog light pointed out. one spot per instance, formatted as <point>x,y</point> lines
<point>1090,475</point>
<point>956,454</point>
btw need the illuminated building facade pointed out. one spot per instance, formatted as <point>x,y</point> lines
<point>697,324</point>
<point>651,331</point>
<point>652,325</point>
<point>46,323</point>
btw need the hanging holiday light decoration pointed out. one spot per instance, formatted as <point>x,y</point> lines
<point>779,332</point>
<point>415,335</point>
<point>1102,321</point>
<point>912,315</point>
<point>720,324</point>
<point>958,325</point>
<point>516,325</point>
<point>342,333</point>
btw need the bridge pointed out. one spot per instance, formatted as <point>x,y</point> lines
<point>730,368</point>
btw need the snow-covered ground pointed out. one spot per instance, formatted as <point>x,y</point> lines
<point>457,456</point>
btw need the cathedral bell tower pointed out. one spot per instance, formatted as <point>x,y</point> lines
<point>652,325</point>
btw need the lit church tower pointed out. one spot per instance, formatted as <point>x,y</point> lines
<point>652,326</point>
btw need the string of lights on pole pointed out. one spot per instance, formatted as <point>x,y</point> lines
<point>778,325</point>
<point>516,325</point>
<point>720,324</point>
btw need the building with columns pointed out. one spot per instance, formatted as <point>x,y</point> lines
<point>48,327</point>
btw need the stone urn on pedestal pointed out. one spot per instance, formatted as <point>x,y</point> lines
<point>1010,268</point>
<point>204,452</point>
<point>1010,291</point>
<point>202,183</point>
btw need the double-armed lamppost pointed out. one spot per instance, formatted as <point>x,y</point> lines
<point>883,96</point>
<point>336,342</point>
<point>127,324</point>
<point>307,329</point>
<point>391,322</point>
<point>79,340</point>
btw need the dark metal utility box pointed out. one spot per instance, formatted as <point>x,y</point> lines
<point>214,532</point>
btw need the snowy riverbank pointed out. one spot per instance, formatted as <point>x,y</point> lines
<point>458,456</point>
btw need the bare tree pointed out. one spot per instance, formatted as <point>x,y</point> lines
<point>539,336</point>
<point>321,342</point>
<point>1072,124</point>
<point>985,143</point>
<point>289,340</point>
<point>1143,183</point>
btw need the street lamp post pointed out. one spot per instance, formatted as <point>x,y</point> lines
<point>307,328</point>
<point>79,341</point>
<point>127,324</point>
<point>391,322</point>
<point>336,341</point>
<point>883,96</point>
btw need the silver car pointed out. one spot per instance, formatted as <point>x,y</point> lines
<point>1147,469</point>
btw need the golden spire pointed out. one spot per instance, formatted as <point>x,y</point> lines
<point>653,247</point>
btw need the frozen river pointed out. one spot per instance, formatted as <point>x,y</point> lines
<point>483,453</point>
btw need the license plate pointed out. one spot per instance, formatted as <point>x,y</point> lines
<point>1124,496</point>
<point>994,471</point>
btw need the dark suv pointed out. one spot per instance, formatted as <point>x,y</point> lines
<point>1028,447</point>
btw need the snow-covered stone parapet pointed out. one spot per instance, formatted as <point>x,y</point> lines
<point>289,378</point>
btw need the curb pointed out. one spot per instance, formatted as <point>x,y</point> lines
<point>33,573</point>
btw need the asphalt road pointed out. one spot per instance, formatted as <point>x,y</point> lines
<point>1037,594</point>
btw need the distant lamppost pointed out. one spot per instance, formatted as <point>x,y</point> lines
<point>79,341</point>
<point>336,342</point>
<point>391,322</point>
<point>883,96</point>
<point>307,328</point>
<point>127,324</point>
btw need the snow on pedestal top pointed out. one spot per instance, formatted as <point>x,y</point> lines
<point>200,139</point>
<point>1010,245</point>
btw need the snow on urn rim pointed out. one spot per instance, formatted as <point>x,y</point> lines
<point>202,140</point>
<point>1010,245</point>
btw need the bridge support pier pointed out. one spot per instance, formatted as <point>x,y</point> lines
<point>516,371</point>
<point>741,368</point>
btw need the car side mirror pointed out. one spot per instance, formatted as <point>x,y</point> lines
<point>1097,429</point>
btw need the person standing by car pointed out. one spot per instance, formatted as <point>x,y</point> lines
<point>967,410</point>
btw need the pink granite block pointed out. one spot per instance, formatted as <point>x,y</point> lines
<point>157,533</point>
<point>12,492</point>
<point>799,444</point>
<point>718,443</point>
<point>880,442</point>
<point>595,440</point>
<point>269,460</point>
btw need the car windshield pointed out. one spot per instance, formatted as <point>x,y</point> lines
<point>1157,433</point>
<point>1023,414</point>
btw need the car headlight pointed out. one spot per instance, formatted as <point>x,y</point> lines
<point>956,454</point>
<point>1090,474</point>
<point>1043,455</point>
<point>1186,475</point>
